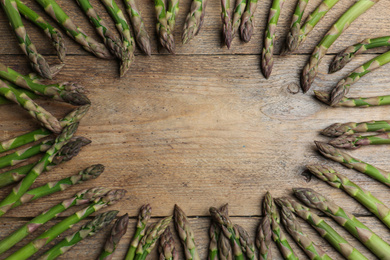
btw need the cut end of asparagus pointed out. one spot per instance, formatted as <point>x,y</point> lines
<point>322,96</point>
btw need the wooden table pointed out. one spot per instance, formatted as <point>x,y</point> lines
<point>203,127</point>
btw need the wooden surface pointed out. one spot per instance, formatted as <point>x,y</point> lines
<point>203,127</point>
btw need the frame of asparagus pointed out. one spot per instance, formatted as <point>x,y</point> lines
<point>311,69</point>
<point>166,248</point>
<point>357,140</point>
<point>248,21</point>
<point>164,31</point>
<point>350,128</point>
<point>354,102</point>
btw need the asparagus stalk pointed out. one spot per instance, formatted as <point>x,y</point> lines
<point>325,231</point>
<point>4,101</point>
<point>163,30</point>
<point>141,35</point>
<point>361,232</point>
<point>227,15</point>
<point>117,232</point>
<point>344,57</point>
<point>194,20</point>
<point>357,140</point>
<point>338,129</point>
<point>152,234</point>
<point>311,69</point>
<point>73,117</point>
<point>81,198</point>
<point>248,21</point>
<point>247,245</point>
<point>292,39</point>
<point>31,248</point>
<point>267,60</point>
<point>293,227</point>
<point>91,228</point>
<point>264,238</point>
<point>348,161</point>
<point>44,117</point>
<point>354,102</point>
<point>344,85</point>
<point>186,234</point>
<point>21,155</point>
<point>143,218</point>
<point>166,249</point>
<point>214,233</point>
<point>269,208</point>
<point>239,10</point>
<point>66,92</point>
<point>172,11</point>
<point>38,63</point>
<point>19,190</point>
<point>54,35</point>
<point>225,248</point>
<point>364,197</point>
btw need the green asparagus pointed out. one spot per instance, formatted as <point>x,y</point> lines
<point>361,232</point>
<point>264,238</point>
<point>166,249</point>
<point>31,248</point>
<point>348,161</point>
<point>44,117</point>
<point>248,21</point>
<point>227,15</point>
<point>19,190</point>
<point>349,53</point>
<point>141,35</point>
<point>185,233</point>
<point>214,233</point>
<point>354,102</point>
<point>239,10</point>
<point>357,140</point>
<point>4,101</point>
<point>194,20</point>
<point>54,35</point>
<point>164,32</point>
<point>81,198</point>
<point>325,231</point>
<point>267,60</point>
<point>143,218</point>
<point>91,228</point>
<point>117,232</point>
<point>292,39</point>
<point>55,11</point>
<point>344,85</point>
<point>311,69</point>
<point>225,248</point>
<point>338,129</point>
<point>172,11</point>
<point>247,245</point>
<point>38,63</point>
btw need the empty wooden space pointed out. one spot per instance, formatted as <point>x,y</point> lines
<point>203,127</point>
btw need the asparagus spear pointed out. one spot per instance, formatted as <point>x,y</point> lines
<point>267,60</point>
<point>361,232</point>
<point>172,11</point>
<point>357,140</point>
<point>325,231</point>
<point>311,69</point>
<point>239,10</point>
<point>38,63</point>
<point>80,198</point>
<point>117,232</point>
<point>66,92</point>
<point>194,20</point>
<point>364,197</point>
<point>225,248</point>
<point>21,155</point>
<point>167,248</point>
<point>54,35</point>
<point>248,21</point>
<point>44,117</point>
<point>247,245</point>
<point>54,10</point>
<point>293,227</point>
<point>185,233</point>
<point>152,234</point>
<point>19,190</point>
<point>227,28</point>
<point>4,101</point>
<point>269,208</point>
<point>292,39</point>
<point>141,35</point>
<point>73,117</point>
<point>214,233</point>
<point>143,218</point>
<point>91,228</point>
<point>350,52</point>
<point>348,161</point>
<point>344,85</point>
<point>338,129</point>
<point>31,248</point>
<point>264,238</point>
<point>163,30</point>
<point>124,30</point>
<point>354,102</point>
<point>15,175</point>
